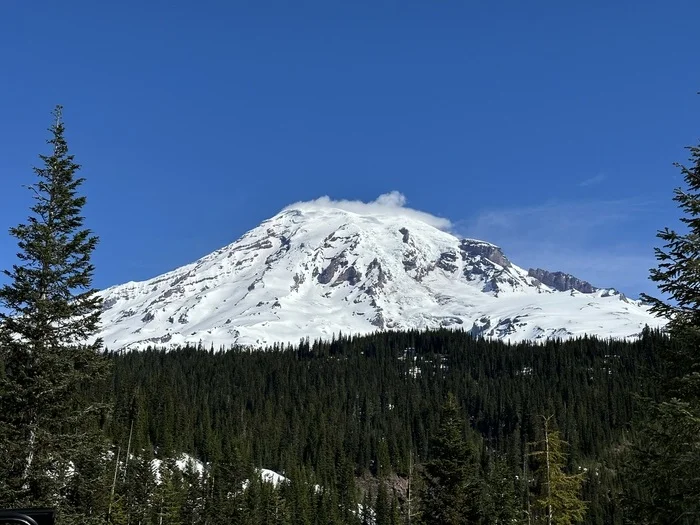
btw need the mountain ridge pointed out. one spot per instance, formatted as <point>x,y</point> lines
<point>315,269</point>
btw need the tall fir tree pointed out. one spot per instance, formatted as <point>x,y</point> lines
<point>678,277</point>
<point>450,493</point>
<point>382,505</point>
<point>664,455</point>
<point>51,447</point>
<point>499,498</point>
<point>559,499</point>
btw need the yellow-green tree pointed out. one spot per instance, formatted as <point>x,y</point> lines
<point>558,499</point>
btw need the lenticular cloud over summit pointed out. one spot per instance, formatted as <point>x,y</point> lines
<point>388,204</point>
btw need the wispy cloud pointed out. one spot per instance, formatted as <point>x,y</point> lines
<point>586,238</point>
<point>589,239</point>
<point>592,181</point>
<point>392,203</point>
<point>553,220</point>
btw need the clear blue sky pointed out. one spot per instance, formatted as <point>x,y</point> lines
<point>547,127</point>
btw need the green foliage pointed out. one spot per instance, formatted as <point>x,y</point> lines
<point>664,452</point>
<point>558,500</point>
<point>382,506</point>
<point>51,446</point>
<point>451,485</point>
<point>320,416</point>
<point>499,501</point>
<point>678,269</point>
<point>342,419</point>
<point>677,276</point>
<point>663,472</point>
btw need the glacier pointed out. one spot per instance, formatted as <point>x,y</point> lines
<point>318,269</point>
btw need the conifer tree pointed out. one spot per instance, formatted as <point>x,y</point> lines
<point>51,449</point>
<point>395,510</point>
<point>499,500</point>
<point>678,276</point>
<point>559,501</point>
<point>665,453</point>
<point>451,488</point>
<point>382,506</point>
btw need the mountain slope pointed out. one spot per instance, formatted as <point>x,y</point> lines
<point>316,270</point>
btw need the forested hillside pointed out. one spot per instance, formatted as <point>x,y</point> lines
<point>360,416</point>
<point>427,428</point>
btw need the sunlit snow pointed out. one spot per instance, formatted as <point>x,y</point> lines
<point>324,267</point>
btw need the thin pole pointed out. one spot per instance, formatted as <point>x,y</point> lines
<point>114,484</point>
<point>549,476</point>
<point>128,450</point>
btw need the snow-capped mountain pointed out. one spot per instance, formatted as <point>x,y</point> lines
<point>320,268</point>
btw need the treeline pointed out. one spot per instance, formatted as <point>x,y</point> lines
<point>415,427</point>
<point>357,414</point>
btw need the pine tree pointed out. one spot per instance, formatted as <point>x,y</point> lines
<point>661,479</point>
<point>559,501</point>
<point>678,276</point>
<point>499,499</point>
<point>451,489</point>
<point>51,449</point>
<point>382,506</point>
<point>664,456</point>
<point>395,510</point>
<point>170,494</point>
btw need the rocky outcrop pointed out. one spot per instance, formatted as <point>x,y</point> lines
<point>377,276</point>
<point>280,253</point>
<point>446,261</point>
<point>561,281</point>
<point>378,320</point>
<point>299,279</point>
<point>109,303</point>
<point>486,262</point>
<point>337,262</point>
<point>325,270</point>
<point>471,248</point>
<point>350,275</point>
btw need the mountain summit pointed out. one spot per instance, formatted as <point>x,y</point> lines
<point>320,268</point>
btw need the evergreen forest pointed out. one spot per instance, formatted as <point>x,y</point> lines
<point>432,427</point>
<point>358,417</point>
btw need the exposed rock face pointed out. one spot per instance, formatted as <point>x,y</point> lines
<point>280,253</point>
<point>378,320</point>
<point>472,248</point>
<point>447,261</point>
<point>326,276</point>
<point>377,278</point>
<point>321,270</point>
<point>349,275</point>
<point>561,281</point>
<point>109,303</point>
<point>486,262</point>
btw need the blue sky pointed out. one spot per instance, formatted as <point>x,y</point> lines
<point>547,127</point>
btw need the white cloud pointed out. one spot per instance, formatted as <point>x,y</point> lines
<point>624,267</point>
<point>392,203</point>
<point>584,238</point>
<point>588,239</point>
<point>565,221</point>
<point>592,181</point>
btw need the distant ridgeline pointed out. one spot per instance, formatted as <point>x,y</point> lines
<point>346,413</point>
